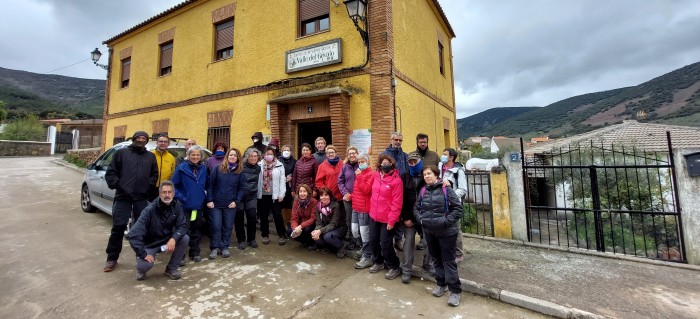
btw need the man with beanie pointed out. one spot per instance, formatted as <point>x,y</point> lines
<point>257,142</point>
<point>132,172</point>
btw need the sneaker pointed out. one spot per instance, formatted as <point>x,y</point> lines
<point>363,263</point>
<point>312,247</point>
<point>341,251</point>
<point>405,278</point>
<point>438,291</point>
<point>376,268</point>
<point>266,240</point>
<point>357,255</point>
<point>110,265</point>
<point>196,258</point>
<point>174,275</point>
<point>225,253</point>
<point>392,273</point>
<point>213,253</point>
<point>140,276</point>
<point>282,241</point>
<point>241,245</point>
<point>253,244</point>
<point>454,300</point>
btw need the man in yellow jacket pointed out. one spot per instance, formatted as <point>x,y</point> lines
<point>165,161</point>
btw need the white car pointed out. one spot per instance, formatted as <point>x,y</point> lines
<point>95,194</point>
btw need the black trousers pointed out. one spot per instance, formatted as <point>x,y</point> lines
<point>305,236</point>
<point>245,221</point>
<point>442,249</point>
<point>267,205</point>
<point>195,231</point>
<point>381,242</point>
<point>122,210</point>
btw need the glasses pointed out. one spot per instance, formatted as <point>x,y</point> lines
<point>398,140</point>
<point>330,152</point>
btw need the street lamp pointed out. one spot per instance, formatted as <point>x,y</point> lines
<point>95,55</point>
<point>357,11</point>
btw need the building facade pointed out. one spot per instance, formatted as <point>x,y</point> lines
<point>293,69</point>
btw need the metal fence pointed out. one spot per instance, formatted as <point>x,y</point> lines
<point>608,198</point>
<point>478,212</point>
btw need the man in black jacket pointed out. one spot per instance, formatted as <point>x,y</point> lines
<point>162,227</point>
<point>132,172</point>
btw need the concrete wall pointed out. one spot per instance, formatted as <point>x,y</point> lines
<point>24,148</point>
<point>689,189</point>
<point>517,200</point>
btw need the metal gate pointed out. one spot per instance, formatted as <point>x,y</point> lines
<point>478,212</point>
<point>609,198</point>
<point>64,141</point>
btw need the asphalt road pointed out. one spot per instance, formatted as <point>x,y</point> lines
<point>53,255</point>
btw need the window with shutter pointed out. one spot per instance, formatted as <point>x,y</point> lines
<point>440,57</point>
<point>314,16</point>
<point>166,58</point>
<point>224,40</point>
<point>126,72</point>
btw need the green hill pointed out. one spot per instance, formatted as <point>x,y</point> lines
<point>477,124</point>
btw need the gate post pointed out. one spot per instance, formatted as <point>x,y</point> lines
<point>51,138</point>
<point>595,193</point>
<point>500,204</point>
<point>518,210</point>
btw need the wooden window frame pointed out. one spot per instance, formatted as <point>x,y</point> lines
<point>441,54</point>
<point>124,81</point>
<point>164,68</point>
<point>315,16</point>
<point>222,53</point>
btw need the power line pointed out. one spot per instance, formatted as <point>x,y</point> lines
<point>67,66</point>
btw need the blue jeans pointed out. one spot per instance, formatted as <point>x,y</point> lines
<point>333,238</point>
<point>221,227</point>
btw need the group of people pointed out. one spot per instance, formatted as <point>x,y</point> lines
<point>323,202</point>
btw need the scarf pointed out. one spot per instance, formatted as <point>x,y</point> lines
<point>195,169</point>
<point>232,166</point>
<point>325,210</point>
<point>267,177</point>
<point>303,203</point>
<point>334,161</point>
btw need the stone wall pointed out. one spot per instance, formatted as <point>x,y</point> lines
<point>87,155</point>
<point>24,148</point>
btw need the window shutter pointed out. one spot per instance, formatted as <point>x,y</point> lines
<point>166,55</point>
<point>224,35</point>
<point>126,69</point>
<point>309,9</point>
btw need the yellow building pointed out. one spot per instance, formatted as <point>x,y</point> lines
<point>293,69</point>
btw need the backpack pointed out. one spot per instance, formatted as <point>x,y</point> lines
<point>444,191</point>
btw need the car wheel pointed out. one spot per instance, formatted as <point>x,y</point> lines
<point>85,202</point>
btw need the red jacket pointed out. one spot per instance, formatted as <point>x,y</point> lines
<point>362,191</point>
<point>304,217</point>
<point>387,198</point>
<point>304,173</point>
<point>327,176</point>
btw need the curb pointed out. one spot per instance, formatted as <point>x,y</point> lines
<point>516,299</point>
<point>61,162</point>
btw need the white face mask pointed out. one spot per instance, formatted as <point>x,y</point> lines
<point>286,154</point>
<point>255,140</point>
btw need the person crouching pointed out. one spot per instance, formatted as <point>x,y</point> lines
<point>330,224</point>
<point>162,227</point>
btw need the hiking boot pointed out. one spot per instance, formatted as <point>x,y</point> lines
<point>405,278</point>
<point>363,263</point>
<point>110,265</point>
<point>454,300</point>
<point>392,273</point>
<point>281,241</point>
<point>140,276</point>
<point>225,253</point>
<point>253,244</point>
<point>213,253</point>
<point>341,251</point>
<point>438,291</point>
<point>430,270</point>
<point>241,245</point>
<point>174,275</point>
<point>376,268</point>
<point>357,255</point>
<point>196,258</point>
<point>266,240</point>
<point>312,247</point>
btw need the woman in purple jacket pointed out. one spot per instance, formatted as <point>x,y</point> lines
<point>346,181</point>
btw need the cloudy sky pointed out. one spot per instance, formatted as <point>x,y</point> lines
<point>507,52</point>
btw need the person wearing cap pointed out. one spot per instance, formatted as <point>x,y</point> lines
<point>257,142</point>
<point>132,172</point>
<point>275,145</point>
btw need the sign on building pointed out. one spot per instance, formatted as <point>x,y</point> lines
<point>313,56</point>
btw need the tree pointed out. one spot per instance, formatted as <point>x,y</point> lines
<point>25,129</point>
<point>3,112</point>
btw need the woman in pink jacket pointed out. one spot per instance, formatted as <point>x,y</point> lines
<point>384,212</point>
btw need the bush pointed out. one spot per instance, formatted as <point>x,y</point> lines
<point>24,129</point>
<point>75,160</point>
